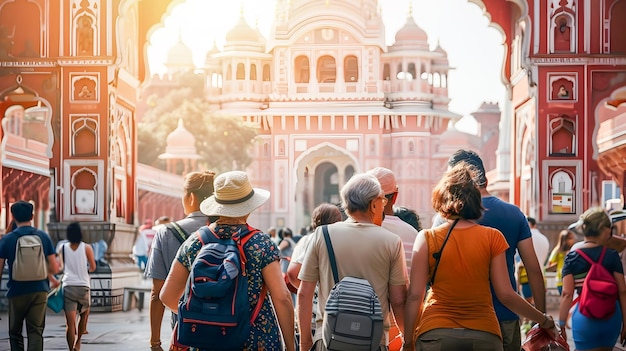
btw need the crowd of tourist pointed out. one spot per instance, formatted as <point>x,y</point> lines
<point>475,280</point>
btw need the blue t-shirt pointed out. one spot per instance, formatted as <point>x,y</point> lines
<point>576,265</point>
<point>508,219</point>
<point>7,252</point>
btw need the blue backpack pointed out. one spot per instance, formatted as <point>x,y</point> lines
<point>215,312</point>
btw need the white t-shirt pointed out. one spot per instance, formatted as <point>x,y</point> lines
<point>541,244</point>
<point>405,231</point>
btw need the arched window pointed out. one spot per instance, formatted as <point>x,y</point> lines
<point>301,70</point>
<point>562,34</point>
<point>253,72</point>
<point>618,28</point>
<point>241,71</point>
<point>562,192</point>
<point>266,73</point>
<point>562,137</point>
<point>326,69</point>
<point>436,80</point>
<point>351,69</point>
<point>411,71</point>
<point>386,72</point>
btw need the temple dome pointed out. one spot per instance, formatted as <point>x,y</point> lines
<point>443,55</point>
<point>180,55</point>
<point>180,144</point>
<point>411,32</point>
<point>411,36</point>
<point>243,32</point>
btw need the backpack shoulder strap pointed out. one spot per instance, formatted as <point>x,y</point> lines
<point>588,259</point>
<point>331,253</point>
<point>206,235</point>
<point>178,231</point>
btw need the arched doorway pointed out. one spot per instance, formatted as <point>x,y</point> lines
<point>320,174</point>
<point>326,183</point>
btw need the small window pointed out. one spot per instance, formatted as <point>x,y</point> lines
<point>266,73</point>
<point>301,69</point>
<point>351,69</point>
<point>253,72</point>
<point>326,69</point>
<point>241,71</point>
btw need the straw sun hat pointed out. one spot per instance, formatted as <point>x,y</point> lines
<point>234,196</point>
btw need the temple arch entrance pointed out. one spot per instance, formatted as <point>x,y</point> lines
<point>320,174</point>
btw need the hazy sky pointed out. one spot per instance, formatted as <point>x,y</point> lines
<point>474,49</point>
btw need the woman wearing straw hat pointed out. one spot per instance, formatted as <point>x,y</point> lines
<point>233,201</point>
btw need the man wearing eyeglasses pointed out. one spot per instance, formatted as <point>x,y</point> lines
<point>392,223</point>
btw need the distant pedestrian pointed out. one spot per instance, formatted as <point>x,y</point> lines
<point>286,247</point>
<point>273,236</point>
<point>140,250</point>
<point>197,186</point>
<point>78,260</point>
<point>557,257</point>
<point>27,299</point>
<point>161,221</point>
<point>542,248</point>
<point>323,214</point>
<point>409,216</point>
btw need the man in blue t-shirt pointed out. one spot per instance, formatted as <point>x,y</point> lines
<point>508,219</point>
<point>27,299</point>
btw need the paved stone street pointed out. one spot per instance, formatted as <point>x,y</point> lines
<point>130,330</point>
<point>107,331</point>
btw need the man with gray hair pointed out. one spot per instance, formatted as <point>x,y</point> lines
<point>363,249</point>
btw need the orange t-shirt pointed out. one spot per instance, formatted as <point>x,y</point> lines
<point>461,294</point>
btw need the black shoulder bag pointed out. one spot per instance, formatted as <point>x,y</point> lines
<point>178,231</point>
<point>437,255</point>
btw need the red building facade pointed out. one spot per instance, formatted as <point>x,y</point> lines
<point>568,67</point>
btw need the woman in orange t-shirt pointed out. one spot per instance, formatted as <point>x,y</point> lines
<point>458,312</point>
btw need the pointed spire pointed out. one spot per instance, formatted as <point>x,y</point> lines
<point>241,9</point>
<point>410,14</point>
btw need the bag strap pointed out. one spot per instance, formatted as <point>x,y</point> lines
<point>437,255</point>
<point>178,231</point>
<point>331,253</point>
<point>588,259</point>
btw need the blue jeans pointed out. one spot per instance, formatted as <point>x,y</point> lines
<point>142,262</point>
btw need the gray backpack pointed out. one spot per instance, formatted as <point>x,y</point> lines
<point>353,318</point>
<point>30,260</point>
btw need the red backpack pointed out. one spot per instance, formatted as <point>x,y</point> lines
<point>599,293</point>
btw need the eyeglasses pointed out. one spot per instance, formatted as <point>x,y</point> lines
<point>384,199</point>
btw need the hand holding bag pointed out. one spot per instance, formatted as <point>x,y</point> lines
<point>56,300</point>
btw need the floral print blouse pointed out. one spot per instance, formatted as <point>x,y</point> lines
<point>260,251</point>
